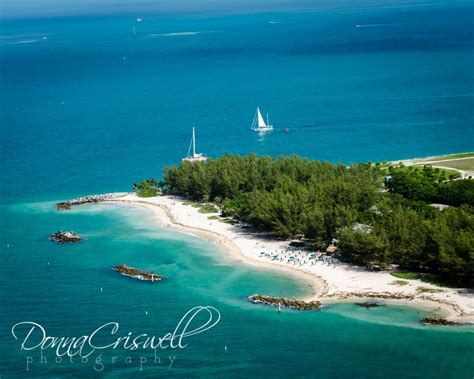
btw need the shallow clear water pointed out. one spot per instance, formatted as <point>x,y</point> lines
<point>92,108</point>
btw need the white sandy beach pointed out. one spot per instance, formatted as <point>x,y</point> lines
<point>329,282</point>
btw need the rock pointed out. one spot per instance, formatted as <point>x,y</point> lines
<point>63,206</point>
<point>437,321</point>
<point>65,237</point>
<point>138,274</point>
<point>284,302</point>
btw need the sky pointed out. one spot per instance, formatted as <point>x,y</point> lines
<point>19,9</point>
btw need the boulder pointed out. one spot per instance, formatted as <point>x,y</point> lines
<point>65,237</point>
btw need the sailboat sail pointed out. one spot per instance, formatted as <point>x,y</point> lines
<point>261,122</point>
<point>258,123</point>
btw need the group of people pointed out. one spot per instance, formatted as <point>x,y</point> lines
<point>300,257</point>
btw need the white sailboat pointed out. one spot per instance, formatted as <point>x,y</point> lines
<point>258,123</point>
<point>195,157</point>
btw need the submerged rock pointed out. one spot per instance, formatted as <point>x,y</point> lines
<point>65,237</point>
<point>370,304</point>
<point>285,302</point>
<point>437,321</point>
<point>138,274</point>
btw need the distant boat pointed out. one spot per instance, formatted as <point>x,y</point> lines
<point>196,156</point>
<point>258,123</point>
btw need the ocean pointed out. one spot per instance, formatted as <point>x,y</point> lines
<point>91,104</point>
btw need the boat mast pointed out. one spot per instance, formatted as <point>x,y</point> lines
<point>254,122</point>
<point>194,143</point>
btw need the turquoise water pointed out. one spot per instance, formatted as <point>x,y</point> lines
<point>92,108</point>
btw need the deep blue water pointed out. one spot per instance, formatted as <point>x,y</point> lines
<point>89,107</point>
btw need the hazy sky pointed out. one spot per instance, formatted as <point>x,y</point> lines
<point>42,8</point>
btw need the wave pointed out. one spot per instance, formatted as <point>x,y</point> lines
<point>278,22</point>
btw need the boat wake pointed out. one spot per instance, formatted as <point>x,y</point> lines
<point>376,25</point>
<point>178,34</point>
<point>18,39</point>
<point>25,41</point>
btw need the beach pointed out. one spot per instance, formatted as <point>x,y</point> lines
<point>328,281</point>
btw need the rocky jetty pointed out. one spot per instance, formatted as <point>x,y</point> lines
<point>138,274</point>
<point>437,321</point>
<point>370,304</point>
<point>285,302</point>
<point>65,237</point>
<point>92,199</point>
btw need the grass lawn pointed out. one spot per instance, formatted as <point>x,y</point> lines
<point>465,164</point>
<point>419,167</point>
<point>441,170</point>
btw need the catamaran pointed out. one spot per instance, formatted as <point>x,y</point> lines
<point>196,156</point>
<point>258,123</point>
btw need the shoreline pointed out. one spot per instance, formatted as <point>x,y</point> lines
<point>341,283</point>
<point>431,158</point>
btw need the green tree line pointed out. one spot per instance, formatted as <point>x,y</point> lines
<point>430,185</point>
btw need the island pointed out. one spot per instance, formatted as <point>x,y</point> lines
<point>398,231</point>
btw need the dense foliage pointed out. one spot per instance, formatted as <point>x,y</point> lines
<point>430,185</point>
<point>292,197</point>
